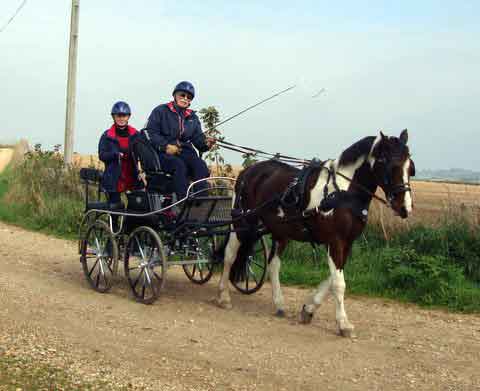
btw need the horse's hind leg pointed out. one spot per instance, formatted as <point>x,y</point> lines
<point>231,251</point>
<point>277,296</point>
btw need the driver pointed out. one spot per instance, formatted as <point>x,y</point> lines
<point>174,130</point>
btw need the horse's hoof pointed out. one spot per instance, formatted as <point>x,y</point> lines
<point>305,317</point>
<point>226,305</point>
<point>347,333</point>
<point>280,314</point>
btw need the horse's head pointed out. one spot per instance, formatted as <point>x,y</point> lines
<point>393,167</point>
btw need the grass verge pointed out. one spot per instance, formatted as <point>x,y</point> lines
<point>20,373</point>
<point>430,266</point>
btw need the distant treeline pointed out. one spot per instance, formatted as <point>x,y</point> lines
<point>452,174</point>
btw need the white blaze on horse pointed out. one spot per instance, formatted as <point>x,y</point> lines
<point>325,203</point>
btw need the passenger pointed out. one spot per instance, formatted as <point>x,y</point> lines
<point>113,149</point>
<point>174,130</point>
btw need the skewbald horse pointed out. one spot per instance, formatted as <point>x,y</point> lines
<point>372,162</point>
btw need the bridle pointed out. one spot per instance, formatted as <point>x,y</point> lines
<point>391,189</point>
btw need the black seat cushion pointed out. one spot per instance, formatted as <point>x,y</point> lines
<point>160,183</point>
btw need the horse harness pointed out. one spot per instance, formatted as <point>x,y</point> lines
<point>294,199</point>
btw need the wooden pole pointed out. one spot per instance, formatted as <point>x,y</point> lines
<point>71,84</point>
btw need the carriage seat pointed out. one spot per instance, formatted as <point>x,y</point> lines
<point>91,175</point>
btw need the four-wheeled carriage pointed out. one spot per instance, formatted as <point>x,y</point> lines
<point>154,232</point>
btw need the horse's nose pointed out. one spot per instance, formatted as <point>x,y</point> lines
<point>403,212</point>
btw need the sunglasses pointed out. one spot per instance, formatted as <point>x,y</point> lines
<point>185,95</point>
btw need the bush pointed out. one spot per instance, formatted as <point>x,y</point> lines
<point>457,242</point>
<point>41,193</point>
<point>425,279</point>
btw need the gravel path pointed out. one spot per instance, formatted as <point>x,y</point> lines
<point>183,342</point>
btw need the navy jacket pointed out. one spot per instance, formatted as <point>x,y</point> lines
<point>109,153</point>
<point>166,125</point>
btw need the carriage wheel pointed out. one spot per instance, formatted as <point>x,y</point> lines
<point>200,273</point>
<point>255,269</point>
<point>99,256</point>
<point>145,264</point>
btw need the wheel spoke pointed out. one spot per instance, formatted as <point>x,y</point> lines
<point>109,266</point>
<point>138,278</point>
<point>251,272</point>
<point>259,265</point>
<point>157,276</point>
<point>91,270</point>
<point>140,248</point>
<point>97,280</point>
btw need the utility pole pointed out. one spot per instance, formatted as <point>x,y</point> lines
<point>71,84</point>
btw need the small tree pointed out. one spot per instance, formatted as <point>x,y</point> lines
<point>210,116</point>
<point>249,159</point>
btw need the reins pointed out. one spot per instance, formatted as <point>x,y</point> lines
<point>296,161</point>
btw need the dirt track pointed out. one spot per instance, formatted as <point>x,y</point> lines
<point>185,343</point>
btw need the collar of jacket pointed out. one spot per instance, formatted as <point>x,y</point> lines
<point>112,134</point>
<point>171,106</point>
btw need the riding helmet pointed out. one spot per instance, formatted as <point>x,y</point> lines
<point>185,86</point>
<point>121,108</point>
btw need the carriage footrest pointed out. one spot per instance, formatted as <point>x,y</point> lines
<point>106,205</point>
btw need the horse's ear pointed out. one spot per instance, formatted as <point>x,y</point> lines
<point>383,136</point>
<point>404,136</point>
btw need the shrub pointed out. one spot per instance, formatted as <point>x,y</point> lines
<point>425,279</point>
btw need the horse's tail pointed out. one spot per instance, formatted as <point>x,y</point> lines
<point>238,272</point>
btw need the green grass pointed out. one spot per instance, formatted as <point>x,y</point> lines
<point>424,265</point>
<point>392,271</point>
<point>60,216</point>
<point>28,374</point>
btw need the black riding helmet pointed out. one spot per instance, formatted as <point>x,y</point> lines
<point>185,86</point>
<point>121,108</point>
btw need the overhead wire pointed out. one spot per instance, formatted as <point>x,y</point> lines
<point>2,29</point>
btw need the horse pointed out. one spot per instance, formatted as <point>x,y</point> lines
<point>325,203</point>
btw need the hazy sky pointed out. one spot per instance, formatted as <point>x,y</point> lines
<point>385,65</point>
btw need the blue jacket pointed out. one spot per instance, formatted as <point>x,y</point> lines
<point>166,125</point>
<point>109,153</point>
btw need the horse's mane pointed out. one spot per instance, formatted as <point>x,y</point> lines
<point>357,150</point>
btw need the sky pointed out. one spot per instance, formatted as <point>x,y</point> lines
<point>385,65</point>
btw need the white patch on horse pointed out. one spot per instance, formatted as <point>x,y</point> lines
<point>316,194</point>
<point>280,213</point>
<point>371,159</point>
<point>407,198</point>
<point>327,213</point>
<point>277,296</point>
<point>348,171</point>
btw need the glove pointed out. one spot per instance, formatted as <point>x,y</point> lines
<point>172,149</point>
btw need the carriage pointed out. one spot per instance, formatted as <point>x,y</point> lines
<point>154,232</point>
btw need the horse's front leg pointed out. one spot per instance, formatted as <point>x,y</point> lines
<point>231,251</point>
<point>335,284</point>
<point>314,301</point>
<point>336,261</point>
